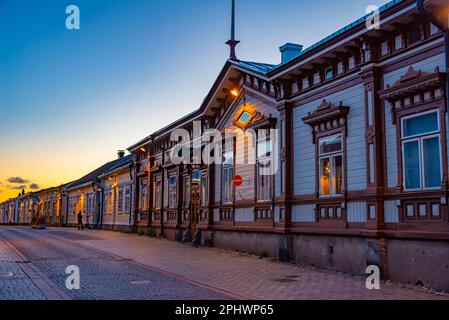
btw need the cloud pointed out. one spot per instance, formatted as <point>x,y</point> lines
<point>20,187</point>
<point>34,186</point>
<point>17,180</point>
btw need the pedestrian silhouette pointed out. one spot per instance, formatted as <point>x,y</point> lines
<point>80,221</point>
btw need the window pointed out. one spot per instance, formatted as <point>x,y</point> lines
<point>330,151</point>
<point>305,83</point>
<point>316,78</point>
<point>421,151</point>
<point>340,67</point>
<point>414,33</point>
<point>143,194</point>
<point>329,73</point>
<point>120,199</point>
<point>433,29</point>
<point>398,42</point>
<point>108,201</point>
<point>203,191</point>
<point>227,172</point>
<point>157,189</point>
<point>385,48</point>
<point>87,203</point>
<point>172,184</point>
<point>351,62</point>
<point>264,174</point>
<point>127,199</point>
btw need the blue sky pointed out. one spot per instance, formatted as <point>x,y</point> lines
<point>70,99</point>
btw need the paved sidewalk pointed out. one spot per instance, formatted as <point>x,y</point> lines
<point>14,283</point>
<point>241,274</point>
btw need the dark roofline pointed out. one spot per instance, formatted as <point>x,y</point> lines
<point>264,69</point>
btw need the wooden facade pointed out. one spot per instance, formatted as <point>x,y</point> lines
<point>355,130</point>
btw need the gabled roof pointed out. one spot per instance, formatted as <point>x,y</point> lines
<point>257,66</point>
<point>92,176</point>
<point>121,163</point>
<point>265,69</point>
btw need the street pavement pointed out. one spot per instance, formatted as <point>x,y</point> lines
<point>122,266</point>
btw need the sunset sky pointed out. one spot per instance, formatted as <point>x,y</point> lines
<point>70,99</point>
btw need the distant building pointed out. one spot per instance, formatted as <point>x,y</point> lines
<point>118,195</point>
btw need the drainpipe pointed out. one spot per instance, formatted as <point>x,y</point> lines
<point>162,192</point>
<point>431,18</point>
<point>64,194</point>
<point>131,166</point>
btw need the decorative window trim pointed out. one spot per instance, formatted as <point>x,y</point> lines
<point>416,93</point>
<point>270,177</point>
<point>222,171</point>
<point>329,120</point>
<point>327,117</point>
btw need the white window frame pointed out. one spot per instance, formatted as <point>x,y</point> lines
<point>420,138</point>
<point>331,156</point>
<point>121,190</point>
<point>172,197</point>
<point>263,159</point>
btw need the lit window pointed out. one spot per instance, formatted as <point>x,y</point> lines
<point>120,199</point>
<point>244,119</point>
<point>331,165</point>
<point>421,152</point>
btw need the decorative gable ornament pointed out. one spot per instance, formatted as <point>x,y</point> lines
<point>414,88</point>
<point>327,117</point>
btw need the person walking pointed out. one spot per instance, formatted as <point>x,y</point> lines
<point>80,221</point>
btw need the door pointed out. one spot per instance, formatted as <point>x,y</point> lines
<point>194,204</point>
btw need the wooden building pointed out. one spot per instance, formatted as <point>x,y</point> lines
<point>94,196</point>
<point>117,184</point>
<point>360,153</point>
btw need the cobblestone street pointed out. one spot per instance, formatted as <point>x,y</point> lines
<point>124,266</point>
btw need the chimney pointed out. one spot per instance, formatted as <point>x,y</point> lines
<point>121,154</point>
<point>290,51</point>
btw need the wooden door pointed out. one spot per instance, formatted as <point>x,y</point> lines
<point>194,204</point>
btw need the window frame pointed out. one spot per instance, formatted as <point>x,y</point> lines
<point>120,195</point>
<point>172,192</point>
<point>420,138</point>
<point>259,159</point>
<point>225,169</point>
<point>331,156</point>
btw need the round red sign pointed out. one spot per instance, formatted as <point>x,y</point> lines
<point>238,180</point>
